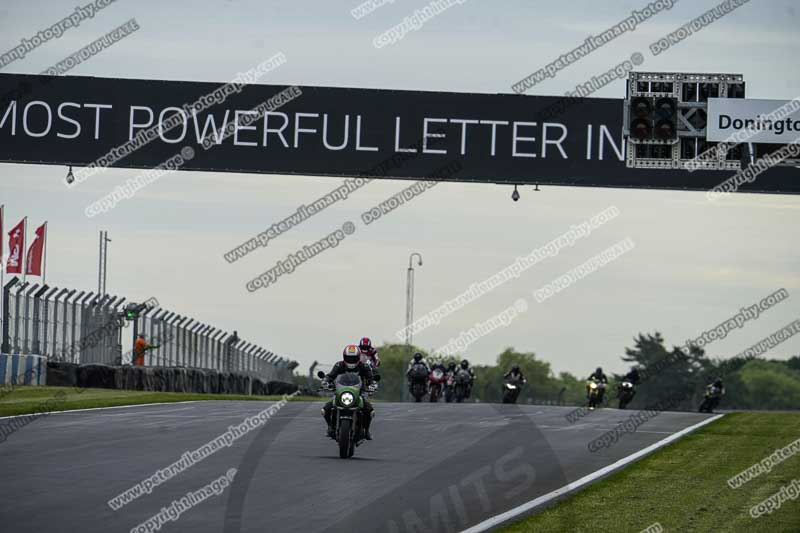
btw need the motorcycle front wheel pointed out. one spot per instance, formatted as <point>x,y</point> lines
<point>345,439</point>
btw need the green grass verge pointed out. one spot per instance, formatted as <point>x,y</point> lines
<point>23,400</point>
<point>684,486</point>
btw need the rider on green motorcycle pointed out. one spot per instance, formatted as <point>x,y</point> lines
<point>351,362</point>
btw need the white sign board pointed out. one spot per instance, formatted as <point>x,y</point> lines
<point>758,121</point>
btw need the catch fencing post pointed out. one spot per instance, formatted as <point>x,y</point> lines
<point>116,346</point>
<point>248,364</point>
<point>229,342</point>
<point>243,356</point>
<point>188,333</point>
<point>148,355</point>
<point>175,323</point>
<point>219,351</point>
<point>196,340</point>
<point>37,320</point>
<point>56,304</point>
<point>207,332</point>
<point>6,342</point>
<point>46,313</point>
<point>75,325</point>
<point>16,345</point>
<point>92,322</point>
<point>157,335</point>
<point>183,335</point>
<point>238,354</point>
<point>27,326</point>
<point>64,325</point>
<point>167,319</point>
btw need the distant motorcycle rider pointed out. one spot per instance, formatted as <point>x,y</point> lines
<point>417,360</point>
<point>417,373</point>
<point>600,378</point>
<point>440,366</point>
<point>515,373</point>
<point>351,362</point>
<point>626,394</point>
<point>365,345</point>
<point>632,376</point>
<point>369,353</point>
<point>716,388</point>
<point>713,395</point>
<point>465,366</point>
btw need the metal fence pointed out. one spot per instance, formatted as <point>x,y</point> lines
<point>81,327</point>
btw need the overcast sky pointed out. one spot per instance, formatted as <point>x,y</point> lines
<point>694,265</point>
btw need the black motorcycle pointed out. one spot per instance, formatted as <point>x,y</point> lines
<point>711,400</point>
<point>462,385</point>
<point>511,389</point>
<point>625,393</point>
<point>418,381</point>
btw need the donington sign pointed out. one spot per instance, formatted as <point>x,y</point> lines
<point>765,121</point>
<point>85,121</point>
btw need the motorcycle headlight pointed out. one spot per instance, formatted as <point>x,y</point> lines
<point>592,385</point>
<point>347,398</point>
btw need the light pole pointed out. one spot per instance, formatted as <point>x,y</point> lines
<point>102,271</point>
<point>410,309</point>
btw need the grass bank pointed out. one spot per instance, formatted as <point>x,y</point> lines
<point>684,487</point>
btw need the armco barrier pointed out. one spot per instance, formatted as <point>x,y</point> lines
<point>18,369</point>
<point>162,379</point>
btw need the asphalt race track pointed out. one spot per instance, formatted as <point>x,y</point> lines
<point>431,467</point>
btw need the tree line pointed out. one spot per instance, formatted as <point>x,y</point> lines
<point>669,374</point>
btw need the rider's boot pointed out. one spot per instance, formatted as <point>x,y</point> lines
<point>328,419</point>
<point>367,423</point>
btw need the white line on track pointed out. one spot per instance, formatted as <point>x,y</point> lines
<point>499,519</point>
<point>67,411</point>
<point>100,408</point>
<point>159,412</point>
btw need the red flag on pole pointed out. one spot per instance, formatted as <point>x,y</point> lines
<point>33,261</point>
<point>16,243</point>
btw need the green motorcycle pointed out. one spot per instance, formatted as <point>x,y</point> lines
<point>348,404</point>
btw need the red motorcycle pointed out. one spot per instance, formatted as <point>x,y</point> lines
<point>436,381</point>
